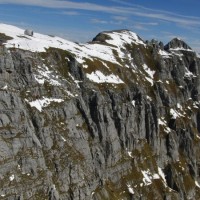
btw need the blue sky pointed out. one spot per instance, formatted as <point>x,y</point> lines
<point>81,20</point>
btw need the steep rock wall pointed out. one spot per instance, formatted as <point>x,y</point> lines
<point>65,134</point>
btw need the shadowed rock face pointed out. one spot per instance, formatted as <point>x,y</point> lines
<point>177,43</point>
<point>100,130</point>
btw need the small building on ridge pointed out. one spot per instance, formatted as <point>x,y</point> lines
<point>28,32</point>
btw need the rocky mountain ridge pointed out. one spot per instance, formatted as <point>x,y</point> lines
<point>116,118</point>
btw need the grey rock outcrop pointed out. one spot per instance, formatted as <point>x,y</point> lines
<point>64,136</point>
<point>176,43</point>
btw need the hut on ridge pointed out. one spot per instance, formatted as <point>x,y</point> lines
<point>28,32</point>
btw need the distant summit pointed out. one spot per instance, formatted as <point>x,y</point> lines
<point>177,44</point>
<point>118,37</point>
<point>104,35</point>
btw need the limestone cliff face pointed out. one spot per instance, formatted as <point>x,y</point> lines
<point>128,128</point>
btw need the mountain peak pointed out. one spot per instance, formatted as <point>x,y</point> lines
<point>118,37</point>
<point>177,44</point>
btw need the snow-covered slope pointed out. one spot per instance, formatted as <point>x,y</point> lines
<point>119,38</point>
<point>39,43</point>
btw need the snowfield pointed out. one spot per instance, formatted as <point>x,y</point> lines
<point>118,39</point>
<point>39,43</point>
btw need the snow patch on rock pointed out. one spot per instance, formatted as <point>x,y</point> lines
<point>45,74</point>
<point>99,77</point>
<point>175,114</point>
<point>12,177</point>
<point>164,54</point>
<point>39,104</point>
<point>130,189</point>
